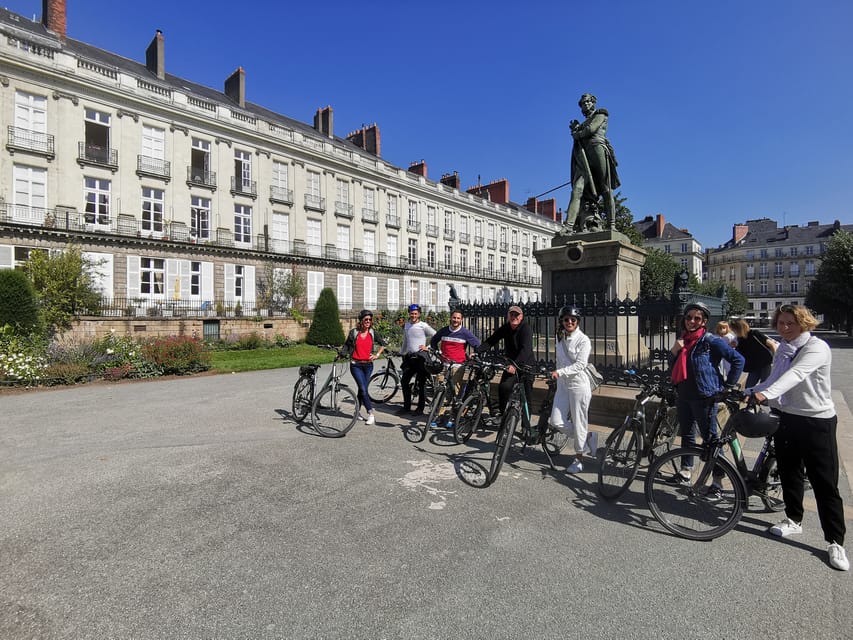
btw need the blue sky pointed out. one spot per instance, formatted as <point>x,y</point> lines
<point>720,111</point>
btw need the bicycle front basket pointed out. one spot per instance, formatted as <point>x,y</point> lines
<point>308,369</point>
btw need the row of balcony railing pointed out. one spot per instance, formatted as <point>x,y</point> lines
<point>160,229</point>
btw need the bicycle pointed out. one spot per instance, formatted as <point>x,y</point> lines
<point>474,398</point>
<point>334,408</point>
<point>384,384</point>
<point>444,397</point>
<point>517,413</point>
<point>713,503</point>
<point>637,438</point>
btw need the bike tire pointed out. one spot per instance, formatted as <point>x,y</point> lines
<point>435,414</point>
<point>619,461</point>
<point>335,411</point>
<point>468,417</point>
<point>684,509</point>
<point>554,440</point>
<point>382,386</point>
<point>662,435</point>
<point>771,491</point>
<point>301,406</point>
<point>503,441</point>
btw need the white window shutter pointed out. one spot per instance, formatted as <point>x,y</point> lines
<point>207,281</point>
<point>172,288</point>
<point>6,252</point>
<point>229,282</point>
<point>249,287</point>
<point>132,277</point>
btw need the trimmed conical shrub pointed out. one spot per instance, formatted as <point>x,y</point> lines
<point>326,327</point>
<point>18,305</point>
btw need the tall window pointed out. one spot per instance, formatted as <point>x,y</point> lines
<point>793,251</point>
<point>413,251</point>
<point>344,291</point>
<point>152,276</point>
<point>97,195</point>
<point>392,206</point>
<point>370,292</point>
<point>431,255</point>
<point>200,218</point>
<point>343,242</point>
<point>312,190</point>
<point>413,213</point>
<point>478,261</point>
<point>795,268</point>
<point>414,292</point>
<point>490,262</point>
<point>280,185</point>
<point>280,231</point>
<point>368,243</point>
<point>243,224</point>
<point>200,161</point>
<point>463,224</point>
<point>153,147</point>
<point>794,286</point>
<point>430,216</point>
<point>242,170</point>
<point>239,281</point>
<point>448,257</point>
<point>503,265</point>
<point>30,194</point>
<point>97,132</point>
<point>810,268</point>
<point>779,287</point>
<point>342,193</point>
<point>463,259</point>
<point>448,220</point>
<point>391,246</point>
<point>30,112</point>
<point>393,296</point>
<point>313,287</point>
<point>195,279</point>
<point>152,210</point>
<point>369,197</point>
<point>313,237</point>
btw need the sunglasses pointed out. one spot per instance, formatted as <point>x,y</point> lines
<point>694,318</point>
<point>570,319</point>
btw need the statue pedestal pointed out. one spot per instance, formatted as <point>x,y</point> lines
<point>593,270</point>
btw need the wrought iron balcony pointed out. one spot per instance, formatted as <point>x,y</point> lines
<point>449,234</point>
<point>369,215</point>
<point>464,237</point>
<point>201,178</point>
<point>478,241</point>
<point>525,251</point>
<point>343,210</point>
<point>315,203</point>
<point>32,141</point>
<point>97,156</point>
<point>516,249</point>
<point>504,247</point>
<point>413,227</point>
<point>432,231</point>
<point>392,221</point>
<point>491,244</point>
<point>147,166</point>
<point>244,187</point>
<point>281,195</point>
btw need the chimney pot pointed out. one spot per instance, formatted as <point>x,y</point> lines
<point>54,17</point>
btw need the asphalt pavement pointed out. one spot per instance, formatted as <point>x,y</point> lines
<point>196,508</point>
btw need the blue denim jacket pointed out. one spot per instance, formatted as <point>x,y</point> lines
<point>703,364</point>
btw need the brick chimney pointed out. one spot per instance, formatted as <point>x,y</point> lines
<point>548,209</point>
<point>367,138</point>
<point>739,232</point>
<point>155,56</point>
<point>324,121</point>
<point>54,16</point>
<point>418,168</point>
<point>531,204</point>
<point>660,223</point>
<point>496,191</point>
<point>452,180</point>
<point>235,87</point>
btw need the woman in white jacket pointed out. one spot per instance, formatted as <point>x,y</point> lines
<point>573,388</point>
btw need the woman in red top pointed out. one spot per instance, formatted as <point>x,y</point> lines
<point>359,345</point>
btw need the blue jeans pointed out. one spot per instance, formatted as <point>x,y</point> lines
<point>361,372</point>
<point>701,413</point>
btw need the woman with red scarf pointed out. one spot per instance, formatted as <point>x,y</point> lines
<point>695,362</point>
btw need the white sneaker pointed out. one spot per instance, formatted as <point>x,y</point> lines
<point>371,419</point>
<point>575,467</point>
<point>786,528</point>
<point>838,557</point>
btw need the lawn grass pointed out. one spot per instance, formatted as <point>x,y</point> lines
<point>257,359</point>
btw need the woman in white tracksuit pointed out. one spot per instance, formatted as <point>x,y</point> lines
<point>573,388</point>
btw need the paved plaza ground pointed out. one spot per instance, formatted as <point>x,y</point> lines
<point>196,508</point>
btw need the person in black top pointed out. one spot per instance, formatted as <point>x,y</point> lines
<point>756,348</point>
<point>517,337</point>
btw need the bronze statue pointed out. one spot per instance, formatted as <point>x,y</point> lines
<point>594,174</point>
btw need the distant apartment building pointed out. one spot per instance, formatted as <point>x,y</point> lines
<point>679,243</point>
<point>182,192</point>
<point>772,265</point>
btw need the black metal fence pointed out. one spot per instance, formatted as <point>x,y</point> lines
<point>626,333</point>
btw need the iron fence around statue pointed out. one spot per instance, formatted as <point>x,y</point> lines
<point>625,334</point>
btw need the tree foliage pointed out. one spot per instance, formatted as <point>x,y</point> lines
<point>625,221</point>
<point>63,284</point>
<point>657,277</point>
<point>738,303</point>
<point>280,290</point>
<point>831,292</point>
<point>18,304</point>
<point>326,327</point>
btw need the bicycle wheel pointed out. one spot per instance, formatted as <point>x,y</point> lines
<point>554,439</point>
<point>468,417</point>
<point>302,399</point>
<point>436,410</point>
<point>619,461</point>
<point>663,433</point>
<point>771,490</point>
<point>503,441</point>
<point>382,386</point>
<point>691,511</point>
<point>334,411</point>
